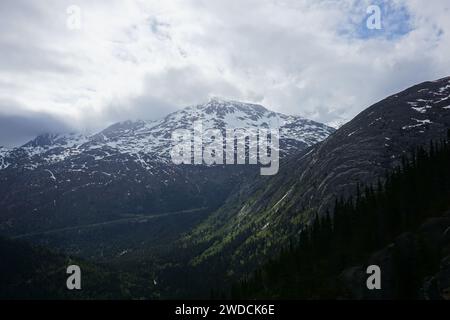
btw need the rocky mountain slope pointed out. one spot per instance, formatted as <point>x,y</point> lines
<point>150,141</point>
<point>268,213</point>
<point>67,187</point>
<point>401,226</point>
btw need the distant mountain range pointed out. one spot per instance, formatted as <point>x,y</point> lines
<point>115,196</point>
<point>149,142</point>
<point>59,184</point>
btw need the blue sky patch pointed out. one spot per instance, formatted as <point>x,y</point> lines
<point>395,22</point>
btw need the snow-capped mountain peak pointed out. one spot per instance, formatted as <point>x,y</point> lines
<point>150,141</point>
<point>221,105</point>
<point>49,141</point>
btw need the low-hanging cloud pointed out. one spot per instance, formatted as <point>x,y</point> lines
<point>18,127</point>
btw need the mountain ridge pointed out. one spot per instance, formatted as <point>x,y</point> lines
<point>269,212</point>
<point>153,137</point>
<point>124,175</point>
<point>182,221</point>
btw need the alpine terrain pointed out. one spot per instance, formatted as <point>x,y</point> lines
<point>107,194</point>
<point>116,197</point>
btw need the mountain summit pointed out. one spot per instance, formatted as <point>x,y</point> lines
<point>150,141</point>
<point>64,187</point>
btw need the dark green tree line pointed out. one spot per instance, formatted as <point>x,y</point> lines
<point>357,227</point>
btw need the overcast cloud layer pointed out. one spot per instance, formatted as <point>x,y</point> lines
<point>143,59</point>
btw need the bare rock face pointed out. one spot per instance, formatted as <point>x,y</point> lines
<point>363,149</point>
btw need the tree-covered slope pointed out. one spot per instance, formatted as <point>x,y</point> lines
<point>401,225</point>
<point>267,212</point>
<point>29,272</point>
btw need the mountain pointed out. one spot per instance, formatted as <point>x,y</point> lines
<point>117,197</point>
<point>401,226</point>
<point>108,193</point>
<point>147,142</point>
<point>3,152</point>
<point>266,214</point>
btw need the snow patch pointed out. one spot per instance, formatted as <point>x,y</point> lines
<point>52,176</point>
<point>419,124</point>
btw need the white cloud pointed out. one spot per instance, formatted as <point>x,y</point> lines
<point>141,58</point>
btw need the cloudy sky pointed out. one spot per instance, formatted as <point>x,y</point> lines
<point>81,65</point>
